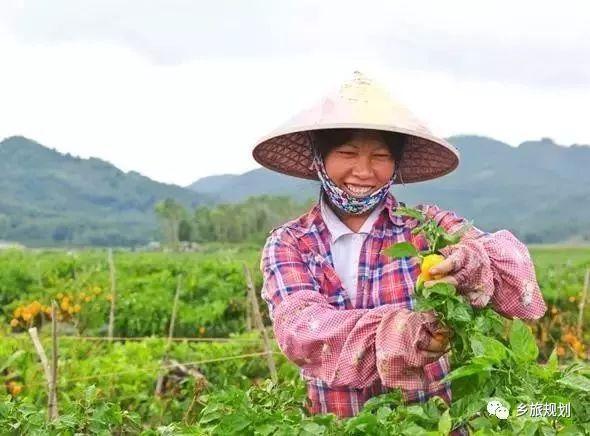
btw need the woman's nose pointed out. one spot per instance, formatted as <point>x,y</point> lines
<point>362,167</point>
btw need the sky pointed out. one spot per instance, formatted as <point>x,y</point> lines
<point>178,90</point>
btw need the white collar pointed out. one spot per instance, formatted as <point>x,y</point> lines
<point>337,228</point>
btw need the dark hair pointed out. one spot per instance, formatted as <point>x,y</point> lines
<point>326,139</point>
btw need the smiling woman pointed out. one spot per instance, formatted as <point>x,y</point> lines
<point>341,309</point>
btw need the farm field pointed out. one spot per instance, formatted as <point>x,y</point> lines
<point>214,377</point>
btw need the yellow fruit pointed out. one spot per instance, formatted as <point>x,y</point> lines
<point>429,262</point>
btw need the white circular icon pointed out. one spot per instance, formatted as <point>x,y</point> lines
<point>496,408</point>
<point>493,406</point>
<point>502,412</point>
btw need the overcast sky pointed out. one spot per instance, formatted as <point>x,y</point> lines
<point>180,89</point>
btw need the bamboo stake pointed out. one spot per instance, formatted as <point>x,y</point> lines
<point>112,272</point>
<point>160,382</point>
<point>54,356</point>
<point>44,363</point>
<point>583,303</point>
<point>50,371</point>
<point>260,326</point>
<point>248,312</point>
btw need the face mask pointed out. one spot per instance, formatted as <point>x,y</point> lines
<point>342,199</point>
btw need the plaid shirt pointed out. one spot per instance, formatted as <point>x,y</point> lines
<point>349,351</point>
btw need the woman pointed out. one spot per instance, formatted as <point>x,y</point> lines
<point>343,311</point>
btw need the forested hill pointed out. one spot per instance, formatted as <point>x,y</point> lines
<point>50,198</point>
<point>540,190</point>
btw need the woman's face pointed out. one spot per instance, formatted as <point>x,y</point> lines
<point>361,165</point>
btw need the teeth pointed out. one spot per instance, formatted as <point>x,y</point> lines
<point>358,190</point>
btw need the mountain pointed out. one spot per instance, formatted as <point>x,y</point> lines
<point>231,188</point>
<point>539,190</point>
<point>51,198</point>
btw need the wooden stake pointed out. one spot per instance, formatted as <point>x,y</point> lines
<point>44,363</point>
<point>583,299</point>
<point>174,312</point>
<point>260,325</point>
<point>113,294</point>
<point>160,382</point>
<point>53,413</point>
<point>50,371</point>
<point>248,312</point>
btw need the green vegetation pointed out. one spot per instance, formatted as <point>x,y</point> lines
<point>109,387</point>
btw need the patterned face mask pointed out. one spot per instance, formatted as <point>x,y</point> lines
<point>342,199</point>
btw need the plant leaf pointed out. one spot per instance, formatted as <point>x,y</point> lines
<point>445,423</point>
<point>522,342</point>
<point>575,381</point>
<point>401,249</point>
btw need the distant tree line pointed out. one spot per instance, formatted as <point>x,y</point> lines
<point>249,221</point>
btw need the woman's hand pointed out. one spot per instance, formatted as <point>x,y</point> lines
<point>443,269</point>
<point>467,267</point>
<point>435,337</point>
<point>439,342</point>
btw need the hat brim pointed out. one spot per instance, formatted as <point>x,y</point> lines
<point>289,152</point>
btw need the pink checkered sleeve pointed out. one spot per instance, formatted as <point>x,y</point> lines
<point>493,268</point>
<point>342,347</point>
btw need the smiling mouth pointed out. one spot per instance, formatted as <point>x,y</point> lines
<point>358,190</point>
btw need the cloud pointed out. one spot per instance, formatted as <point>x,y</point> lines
<point>179,90</point>
<point>528,42</point>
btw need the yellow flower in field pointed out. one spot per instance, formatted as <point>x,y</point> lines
<point>88,298</point>
<point>109,297</point>
<point>82,295</point>
<point>14,388</point>
<point>71,310</point>
<point>14,323</point>
<point>428,262</point>
<point>17,312</point>
<point>64,306</point>
<point>77,308</point>
<point>572,299</point>
<point>27,316</point>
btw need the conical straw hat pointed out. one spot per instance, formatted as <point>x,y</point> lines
<point>359,103</point>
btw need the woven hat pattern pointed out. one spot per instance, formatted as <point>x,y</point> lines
<point>362,104</point>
